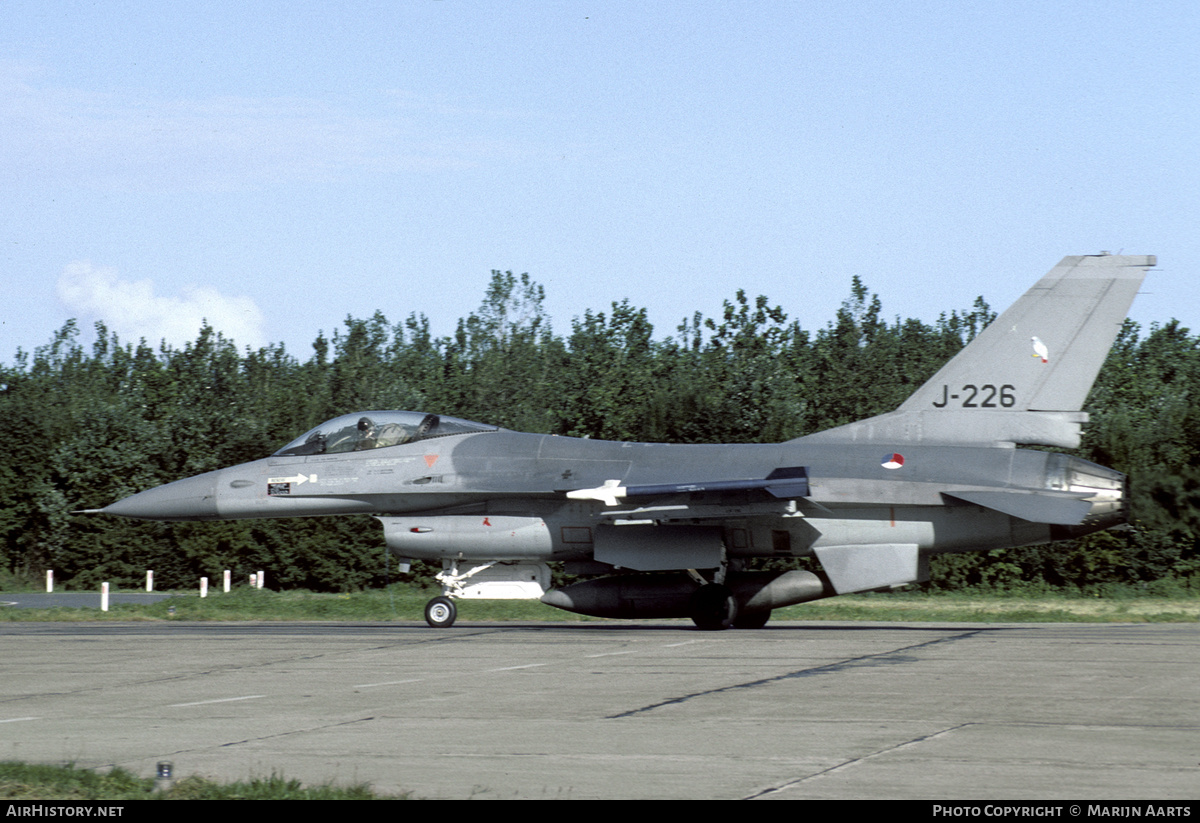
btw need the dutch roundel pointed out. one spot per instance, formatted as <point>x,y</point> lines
<point>893,461</point>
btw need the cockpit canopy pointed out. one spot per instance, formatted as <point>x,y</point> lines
<point>376,430</point>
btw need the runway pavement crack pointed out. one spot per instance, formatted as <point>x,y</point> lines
<point>290,733</point>
<point>322,727</point>
<point>791,784</point>
<point>829,668</point>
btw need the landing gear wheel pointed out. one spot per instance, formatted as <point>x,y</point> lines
<point>752,620</point>
<point>440,612</point>
<point>713,607</point>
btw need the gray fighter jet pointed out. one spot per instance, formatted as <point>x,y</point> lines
<point>662,530</point>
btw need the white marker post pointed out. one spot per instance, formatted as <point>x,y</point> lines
<point>204,587</point>
<point>259,579</point>
<point>149,580</point>
<point>227,580</point>
<point>104,597</point>
<point>49,581</point>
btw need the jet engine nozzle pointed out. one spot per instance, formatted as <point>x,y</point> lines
<point>1107,490</point>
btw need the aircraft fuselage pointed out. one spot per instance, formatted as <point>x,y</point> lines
<point>502,493</point>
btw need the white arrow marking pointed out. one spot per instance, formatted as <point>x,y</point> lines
<point>298,479</point>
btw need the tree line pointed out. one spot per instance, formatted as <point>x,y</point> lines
<point>85,426</point>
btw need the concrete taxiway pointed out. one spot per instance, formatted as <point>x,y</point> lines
<point>620,710</point>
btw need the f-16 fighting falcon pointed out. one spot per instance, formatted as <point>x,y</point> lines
<point>666,530</point>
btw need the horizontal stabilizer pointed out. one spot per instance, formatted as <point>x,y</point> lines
<point>1037,507</point>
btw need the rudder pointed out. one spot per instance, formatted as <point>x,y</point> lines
<point>1025,377</point>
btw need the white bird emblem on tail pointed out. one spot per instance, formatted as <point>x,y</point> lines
<point>1040,350</point>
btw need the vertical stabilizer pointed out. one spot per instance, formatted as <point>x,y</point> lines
<point>1024,379</point>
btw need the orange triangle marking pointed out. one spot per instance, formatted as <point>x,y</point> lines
<point>430,459</point>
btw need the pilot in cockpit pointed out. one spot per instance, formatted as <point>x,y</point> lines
<point>367,436</point>
<point>372,436</point>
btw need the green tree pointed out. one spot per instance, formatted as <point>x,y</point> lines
<point>607,377</point>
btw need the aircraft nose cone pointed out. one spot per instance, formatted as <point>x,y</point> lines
<point>193,498</point>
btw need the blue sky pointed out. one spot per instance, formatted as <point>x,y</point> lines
<point>275,167</point>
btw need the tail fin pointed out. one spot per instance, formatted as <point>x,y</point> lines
<point>1025,378</point>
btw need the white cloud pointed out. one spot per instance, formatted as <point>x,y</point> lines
<point>129,141</point>
<point>134,311</point>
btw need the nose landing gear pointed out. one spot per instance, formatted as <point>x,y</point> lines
<point>440,612</point>
<point>489,580</point>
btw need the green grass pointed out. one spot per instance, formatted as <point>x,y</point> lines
<point>406,604</point>
<point>997,608</point>
<point>23,781</point>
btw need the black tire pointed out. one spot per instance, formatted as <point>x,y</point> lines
<point>440,612</point>
<point>713,607</point>
<point>752,620</point>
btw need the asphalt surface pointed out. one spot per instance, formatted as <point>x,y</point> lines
<point>74,600</point>
<point>798,711</point>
